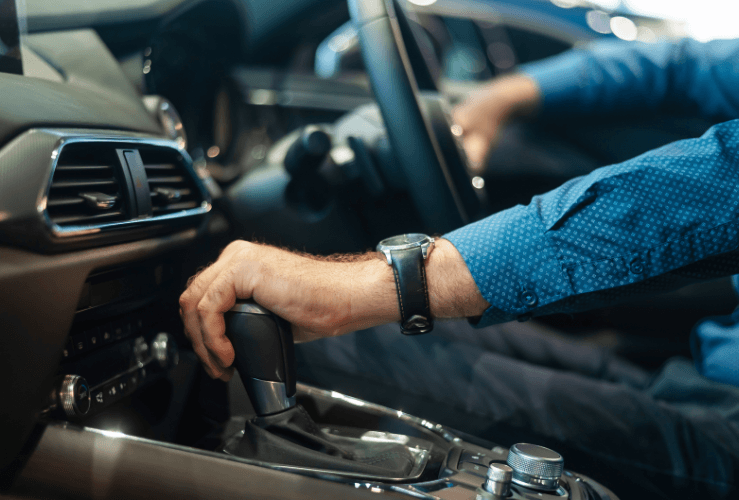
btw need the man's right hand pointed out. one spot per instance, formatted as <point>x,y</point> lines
<point>485,111</point>
<point>319,296</point>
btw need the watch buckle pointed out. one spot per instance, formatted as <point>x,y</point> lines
<point>416,325</point>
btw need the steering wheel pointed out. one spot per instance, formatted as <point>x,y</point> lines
<point>418,125</point>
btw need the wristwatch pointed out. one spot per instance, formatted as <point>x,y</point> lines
<point>407,255</point>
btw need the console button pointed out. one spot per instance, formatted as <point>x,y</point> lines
<point>476,469</point>
<point>74,396</point>
<point>535,466</point>
<point>106,334</point>
<point>111,392</point>
<point>79,343</point>
<point>93,338</point>
<point>475,458</point>
<point>118,332</point>
<point>99,399</point>
<point>68,350</point>
<point>122,384</point>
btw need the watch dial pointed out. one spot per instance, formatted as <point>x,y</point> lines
<point>404,239</point>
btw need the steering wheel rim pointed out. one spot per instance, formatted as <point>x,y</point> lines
<point>437,192</point>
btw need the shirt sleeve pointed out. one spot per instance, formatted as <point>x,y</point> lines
<point>617,78</point>
<point>656,222</point>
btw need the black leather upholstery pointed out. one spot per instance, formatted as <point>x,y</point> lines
<point>293,438</point>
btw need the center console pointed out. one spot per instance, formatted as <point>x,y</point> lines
<point>302,442</point>
<point>320,433</point>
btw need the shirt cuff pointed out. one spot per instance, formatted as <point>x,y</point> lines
<point>513,263</point>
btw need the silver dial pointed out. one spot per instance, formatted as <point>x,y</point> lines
<point>74,396</point>
<point>535,466</point>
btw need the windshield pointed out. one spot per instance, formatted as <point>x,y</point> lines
<point>10,56</point>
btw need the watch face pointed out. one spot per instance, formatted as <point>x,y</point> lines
<point>404,240</point>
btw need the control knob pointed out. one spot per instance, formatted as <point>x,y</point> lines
<point>165,351</point>
<point>74,396</point>
<point>535,466</point>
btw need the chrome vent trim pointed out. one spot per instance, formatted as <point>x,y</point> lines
<point>66,139</point>
<point>85,172</point>
<point>171,189</point>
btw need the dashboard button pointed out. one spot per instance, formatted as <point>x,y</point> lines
<point>118,331</point>
<point>106,334</point>
<point>93,338</point>
<point>68,350</point>
<point>99,399</point>
<point>122,384</point>
<point>111,392</point>
<point>79,343</point>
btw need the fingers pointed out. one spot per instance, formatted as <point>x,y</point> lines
<point>189,301</point>
<point>476,147</point>
<point>219,298</point>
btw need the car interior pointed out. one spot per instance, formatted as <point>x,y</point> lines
<point>139,138</point>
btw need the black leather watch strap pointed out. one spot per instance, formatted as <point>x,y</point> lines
<point>413,297</point>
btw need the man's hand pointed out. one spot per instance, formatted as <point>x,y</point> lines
<point>485,111</point>
<point>320,297</point>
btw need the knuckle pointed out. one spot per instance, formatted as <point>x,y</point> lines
<point>234,246</point>
<point>203,306</point>
<point>185,301</point>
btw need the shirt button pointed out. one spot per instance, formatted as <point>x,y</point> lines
<point>636,266</point>
<point>529,298</point>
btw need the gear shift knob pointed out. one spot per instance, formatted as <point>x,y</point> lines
<point>265,358</point>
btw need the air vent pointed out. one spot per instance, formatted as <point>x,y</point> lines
<point>171,185</point>
<point>86,187</point>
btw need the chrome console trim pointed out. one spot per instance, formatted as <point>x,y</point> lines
<point>395,485</point>
<point>326,476</point>
<point>420,459</point>
<point>65,137</point>
<point>437,429</point>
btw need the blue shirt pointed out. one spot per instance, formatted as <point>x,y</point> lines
<point>662,220</point>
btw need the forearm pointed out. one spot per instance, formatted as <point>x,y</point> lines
<point>619,78</point>
<point>664,214</point>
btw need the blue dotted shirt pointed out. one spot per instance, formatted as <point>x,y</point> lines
<point>660,221</point>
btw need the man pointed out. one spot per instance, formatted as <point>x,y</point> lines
<point>657,222</point>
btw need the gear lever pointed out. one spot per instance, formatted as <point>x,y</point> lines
<point>265,357</point>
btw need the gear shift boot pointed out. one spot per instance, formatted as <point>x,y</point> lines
<point>293,438</point>
<point>283,433</point>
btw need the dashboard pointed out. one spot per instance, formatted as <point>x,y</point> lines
<point>108,203</point>
<point>120,140</point>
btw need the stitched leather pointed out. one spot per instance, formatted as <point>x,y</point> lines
<point>413,297</point>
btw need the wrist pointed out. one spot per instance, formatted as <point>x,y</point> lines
<point>453,292</point>
<point>373,296</point>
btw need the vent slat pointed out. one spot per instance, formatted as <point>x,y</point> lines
<point>71,219</point>
<point>167,177</point>
<point>82,183</point>
<point>183,192</point>
<point>63,202</point>
<point>161,166</point>
<point>166,180</point>
<point>81,168</point>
